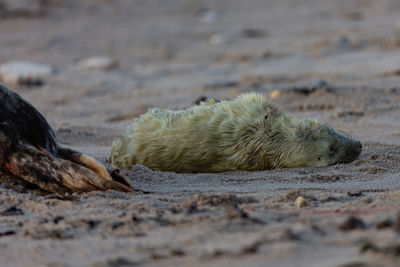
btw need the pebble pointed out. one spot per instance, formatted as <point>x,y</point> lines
<point>253,33</point>
<point>218,38</point>
<point>352,223</point>
<point>300,202</point>
<point>210,16</point>
<point>12,212</point>
<point>21,9</point>
<point>220,85</point>
<point>274,94</point>
<point>24,73</point>
<point>387,223</point>
<point>21,4</point>
<point>99,63</point>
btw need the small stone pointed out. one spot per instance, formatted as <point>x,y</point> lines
<point>384,224</point>
<point>21,4</point>
<point>397,223</point>
<point>358,193</point>
<point>177,252</point>
<point>21,9</point>
<point>274,94</point>
<point>24,73</point>
<point>218,38</point>
<point>301,202</point>
<point>368,246</point>
<point>119,261</point>
<point>220,85</point>
<point>352,223</point>
<point>232,212</point>
<point>320,84</point>
<point>209,16</point>
<point>13,211</point>
<point>100,63</point>
<point>253,33</point>
<point>6,233</point>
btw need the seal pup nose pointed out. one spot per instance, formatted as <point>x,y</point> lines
<point>352,151</point>
<point>358,147</point>
<point>348,149</point>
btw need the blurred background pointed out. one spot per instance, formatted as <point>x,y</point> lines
<point>93,65</point>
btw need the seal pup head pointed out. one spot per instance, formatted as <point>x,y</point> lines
<point>309,143</point>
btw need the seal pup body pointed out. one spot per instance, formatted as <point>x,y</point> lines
<point>30,151</point>
<point>247,133</point>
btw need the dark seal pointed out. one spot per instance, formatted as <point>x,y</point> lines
<point>30,152</point>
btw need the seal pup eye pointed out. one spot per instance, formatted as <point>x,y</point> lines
<point>332,148</point>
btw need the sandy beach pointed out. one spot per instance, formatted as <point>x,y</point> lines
<point>336,61</point>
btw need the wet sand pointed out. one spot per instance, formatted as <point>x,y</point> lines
<point>336,61</point>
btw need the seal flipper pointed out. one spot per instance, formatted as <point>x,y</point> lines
<point>56,174</point>
<point>84,160</point>
<point>91,163</point>
<point>118,177</point>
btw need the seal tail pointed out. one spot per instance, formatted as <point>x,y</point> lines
<point>60,174</point>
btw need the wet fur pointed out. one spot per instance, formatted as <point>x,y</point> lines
<point>247,133</point>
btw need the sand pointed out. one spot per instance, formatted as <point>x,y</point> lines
<point>336,61</point>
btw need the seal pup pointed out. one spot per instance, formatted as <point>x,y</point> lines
<point>247,133</point>
<point>30,151</point>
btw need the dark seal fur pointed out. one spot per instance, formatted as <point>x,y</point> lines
<point>30,151</point>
